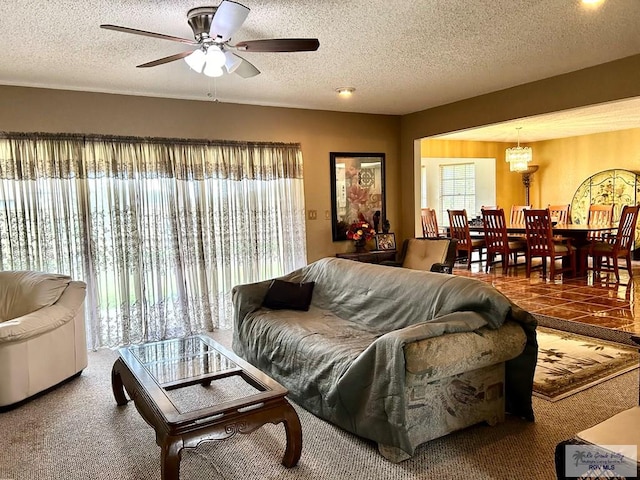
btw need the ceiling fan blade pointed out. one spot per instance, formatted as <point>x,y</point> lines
<point>227,20</point>
<point>161,61</point>
<point>118,28</point>
<point>280,45</point>
<point>246,69</point>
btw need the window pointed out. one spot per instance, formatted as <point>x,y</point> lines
<point>457,189</point>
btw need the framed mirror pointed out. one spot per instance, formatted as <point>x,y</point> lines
<point>357,191</point>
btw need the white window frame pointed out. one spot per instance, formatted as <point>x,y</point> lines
<point>457,188</point>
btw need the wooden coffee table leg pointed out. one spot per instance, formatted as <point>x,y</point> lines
<point>116,383</point>
<point>293,431</point>
<point>170,459</point>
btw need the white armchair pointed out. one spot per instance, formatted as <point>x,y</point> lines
<point>42,333</point>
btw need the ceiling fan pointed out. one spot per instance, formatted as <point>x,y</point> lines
<point>213,28</point>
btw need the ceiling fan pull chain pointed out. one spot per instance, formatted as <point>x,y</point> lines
<point>214,97</point>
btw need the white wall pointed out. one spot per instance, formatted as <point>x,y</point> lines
<point>485,182</point>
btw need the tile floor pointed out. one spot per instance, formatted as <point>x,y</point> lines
<point>604,303</point>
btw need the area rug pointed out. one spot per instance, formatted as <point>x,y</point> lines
<point>569,363</point>
<point>586,329</point>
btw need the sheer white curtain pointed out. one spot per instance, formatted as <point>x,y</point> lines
<point>160,230</point>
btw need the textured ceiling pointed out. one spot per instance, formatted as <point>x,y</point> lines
<point>401,56</point>
<point>605,117</point>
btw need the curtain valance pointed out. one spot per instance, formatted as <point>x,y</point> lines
<point>27,156</point>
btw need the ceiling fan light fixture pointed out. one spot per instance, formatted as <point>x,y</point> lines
<point>233,61</point>
<point>212,29</point>
<point>211,70</point>
<point>215,56</point>
<point>196,60</point>
<point>345,92</point>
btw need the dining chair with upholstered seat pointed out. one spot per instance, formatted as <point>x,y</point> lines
<point>517,218</point>
<point>606,251</point>
<point>430,227</point>
<point>541,243</point>
<point>560,213</point>
<point>517,214</point>
<point>459,230</point>
<point>497,241</point>
<point>599,215</point>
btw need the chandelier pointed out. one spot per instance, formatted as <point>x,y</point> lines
<point>518,157</point>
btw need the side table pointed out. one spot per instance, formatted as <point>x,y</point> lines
<point>373,256</point>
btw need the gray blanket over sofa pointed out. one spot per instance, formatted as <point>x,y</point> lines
<point>344,361</point>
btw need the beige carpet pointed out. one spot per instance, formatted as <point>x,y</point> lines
<point>77,433</point>
<point>569,363</point>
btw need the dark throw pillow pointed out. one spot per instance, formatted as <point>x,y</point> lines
<point>288,295</point>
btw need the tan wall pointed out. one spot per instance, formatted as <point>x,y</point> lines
<point>602,83</point>
<point>566,162</point>
<point>319,132</point>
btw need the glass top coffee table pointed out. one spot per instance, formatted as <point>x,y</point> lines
<point>153,375</point>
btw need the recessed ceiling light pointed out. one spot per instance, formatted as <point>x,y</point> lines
<point>592,3</point>
<point>345,92</point>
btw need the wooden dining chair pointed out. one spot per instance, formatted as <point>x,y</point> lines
<point>517,218</point>
<point>599,215</point>
<point>497,241</point>
<point>606,252</point>
<point>541,243</point>
<point>560,213</point>
<point>517,214</point>
<point>430,223</point>
<point>459,230</point>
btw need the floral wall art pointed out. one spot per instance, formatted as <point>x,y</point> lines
<point>357,189</point>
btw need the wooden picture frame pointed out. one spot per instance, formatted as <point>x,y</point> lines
<point>386,241</point>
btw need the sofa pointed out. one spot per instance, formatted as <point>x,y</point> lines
<point>42,333</point>
<point>394,355</point>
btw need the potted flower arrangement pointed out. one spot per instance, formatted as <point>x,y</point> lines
<point>360,232</point>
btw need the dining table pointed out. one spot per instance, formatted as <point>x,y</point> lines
<point>578,233</point>
<point>575,231</point>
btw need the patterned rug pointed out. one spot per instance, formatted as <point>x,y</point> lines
<point>569,363</point>
<point>586,329</point>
